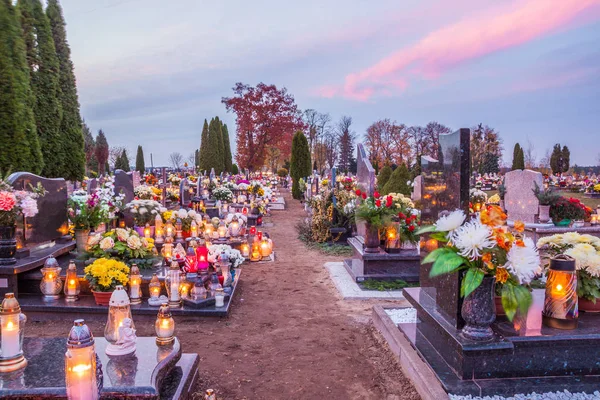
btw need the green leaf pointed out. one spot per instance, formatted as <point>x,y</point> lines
<point>509,301</point>
<point>431,257</point>
<point>524,299</point>
<point>446,263</point>
<point>471,281</point>
<point>439,236</point>
<point>425,229</point>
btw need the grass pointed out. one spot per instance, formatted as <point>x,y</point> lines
<point>398,284</point>
<point>337,250</point>
<point>592,203</point>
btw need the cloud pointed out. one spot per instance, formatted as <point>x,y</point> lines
<point>470,39</point>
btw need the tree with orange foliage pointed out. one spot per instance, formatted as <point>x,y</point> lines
<point>266,117</point>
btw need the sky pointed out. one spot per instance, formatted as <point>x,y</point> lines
<point>149,72</point>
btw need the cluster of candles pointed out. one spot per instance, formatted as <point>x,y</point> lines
<point>51,284</point>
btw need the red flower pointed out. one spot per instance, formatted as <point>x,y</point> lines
<point>378,203</point>
<point>358,192</point>
<point>401,215</point>
<point>408,221</point>
<point>388,201</point>
<point>364,196</point>
<point>376,194</point>
<point>411,228</point>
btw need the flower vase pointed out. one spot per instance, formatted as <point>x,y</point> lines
<point>544,213</point>
<point>8,245</point>
<point>102,298</point>
<point>81,239</point>
<point>372,240</point>
<point>479,311</point>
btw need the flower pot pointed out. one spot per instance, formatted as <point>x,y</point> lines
<point>102,298</point>
<point>372,240</point>
<point>563,223</point>
<point>544,213</point>
<point>479,311</point>
<point>81,239</point>
<point>578,224</point>
<point>588,306</point>
<point>8,245</point>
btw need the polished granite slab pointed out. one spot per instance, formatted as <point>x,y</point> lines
<point>152,372</point>
<point>526,357</point>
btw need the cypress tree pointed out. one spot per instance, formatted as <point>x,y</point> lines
<point>234,169</point>
<point>566,158</point>
<point>140,165</point>
<point>203,147</point>
<point>300,164</point>
<point>122,162</point>
<point>214,158</point>
<point>101,152</point>
<point>220,145</point>
<point>196,158</point>
<point>89,145</point>
<point>384,176</point>
<point>70,124</point>
<point>516,156</point>
<point>228,157</point>
<point>521,164</point>
<point>44,72</point>
<point>398,182</point>
<point>20,149</point>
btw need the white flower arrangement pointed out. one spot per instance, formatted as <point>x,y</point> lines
<point>144,211</point>
<point>450,222</point>
<point>471,238</point>
<point>222,194</point>
<point>143,192</point>
<point>477,196</point>
<point>235,257</point>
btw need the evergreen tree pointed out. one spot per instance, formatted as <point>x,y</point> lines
<point>89,146</point>
<point>384,176</point>
<point>566,159</point>
<point>122,162</point>
<point>214,158</point>
<point>516,157</point>
<point>196,158</point>
<point>70,125</point>
<point>491,163</point>
<point>234,169</point>
<point>521,164</point>
<point>101,152</point>
<point>398,182</point>
<point>44,73</point>
<point>20,147</point>
<point>228,157</point>
<point>221,145</point>
<point>140,165</point>
<point>203,148</point>
<point>300,164</point>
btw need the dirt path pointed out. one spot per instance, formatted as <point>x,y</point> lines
<point>289,335</point>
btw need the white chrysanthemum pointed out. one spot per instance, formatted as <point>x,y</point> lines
<point>182,213</point>
<point>142,210</point>
<point>585,255</point>
<point>571,238</point>
<point>122,234</point>
<point>134,242</point>
<point>451,221</point>
<point>472,238</point>
<point>594,265</point>
<point>523,262</point>
<point>107,244</point>
<point>191,214</point>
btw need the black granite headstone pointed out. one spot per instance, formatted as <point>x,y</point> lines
<point>124,184</point>
<point>445,187</point>
<point>51,221</point>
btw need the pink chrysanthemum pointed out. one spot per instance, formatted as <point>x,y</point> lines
<point>7,201</point>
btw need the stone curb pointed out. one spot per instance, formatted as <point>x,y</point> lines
<point>415,369</point>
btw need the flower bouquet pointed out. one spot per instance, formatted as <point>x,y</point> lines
<point>124,245</point>
<point>585,249</point>
<point>488,252</point>
<point>222,194</point>
<point>477,198</point>
<point>85,211</point>
<point>186,217</point>
<point>235,257</point>
<point>143,192</point>
<point>104,275</point>
<point>376,214</point>
<point>564,211</point>
<point>144,211</point>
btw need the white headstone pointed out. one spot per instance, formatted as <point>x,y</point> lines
<point>520,202</point>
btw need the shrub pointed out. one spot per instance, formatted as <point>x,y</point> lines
<point>384,176</point>
<point>398,182</point>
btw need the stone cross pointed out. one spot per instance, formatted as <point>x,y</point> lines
<point>519,200</point>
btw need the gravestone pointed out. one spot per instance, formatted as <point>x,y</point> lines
<point>92,185</point>
<point>51,221</point>
<point>445,188</point>
<point>183,195</point>
<point>519,200</point>
<point>365,179</point>
<point>124,184</point>
<point>137,179</point>
<point>212,174</point>
<point>417,188</point>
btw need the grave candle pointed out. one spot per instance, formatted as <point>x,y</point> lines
<point>259,235</point>
<point>72,287</point>
<point>202,256</point>
<point>222,230</point>
<point>561,302</point>
<point>172,282</point>
<point>234,227</point>
<point>191,260</point>
<point>265,248</point>
<point>147,231</point>
<point>135,280</point>
<point>255,255</point>
<point>118,311</point>
<point>12,324</point>
<point>80,363</point>
<point>194,229</point>
<point>51,284</point>
<point>154,287</point>
<point>164,325</point>
<point>252,230</point>
<point>392,239</point>
<point>245,249</point>
<point>219,297</point>
<point>169,229</point>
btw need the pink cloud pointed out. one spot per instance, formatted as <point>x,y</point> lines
<point>453,45</point>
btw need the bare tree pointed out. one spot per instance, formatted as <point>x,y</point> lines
<point>530,157</point>
<point>176,160</point>
<point>115,152</point>
<point>346,142</point>
<point>316,125</point>
<point>191,160</point>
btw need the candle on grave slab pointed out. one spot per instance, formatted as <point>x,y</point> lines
<point>10,336</point>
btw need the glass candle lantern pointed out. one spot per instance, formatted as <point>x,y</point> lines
<point>178,225</point>
<point>595,219</point>
<point>560,303</point>
<point>80,364</point>
<point>135,283</point>
<point>122,223</point>
<point>169,230</point>
<point>219,297</point>
<point>154,287</point>
<point>202,256</point>
<point>259,235</point>
<point>185,286</point>
<point>392,238</point>
<point>12,326</point>
<point>245,249</point>
<point>172,282</point>
<point>222,230</point>
<point>265,248</point>
<point>245,210</point>
<point>72,287</point>
<point>167,249</point>
<point>51,283</point>
<point>158,225</point>
<point>194,229</point>
<point>164,326</point>
<point>234,227</point>
<point>191,264</point>
<point>119,323</point>
<point>208,231</point>
<point>255,253</point>
<point>147,232</point>
<point>252,230</point>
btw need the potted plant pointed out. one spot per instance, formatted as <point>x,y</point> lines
<point>85,212</point>
<point>223,194</point>
<point>547,198</point>
<point>144,212</point>
<point>103,276</point>
<point>123,245</point>
<point>376,215</point>
<point>585,249</point>
<point>564,211</point>
<point>488,253</point>
<point>408,221</point>
<point>12,203</point>
<point>477,198</point>
<point>186,217</point>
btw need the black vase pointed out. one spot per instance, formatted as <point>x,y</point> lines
<point>8,245</point>
<point>479,311</point>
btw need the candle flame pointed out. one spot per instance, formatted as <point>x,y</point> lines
<point>72,282</point>
<point>81,368</point>
<point>10,325</point>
